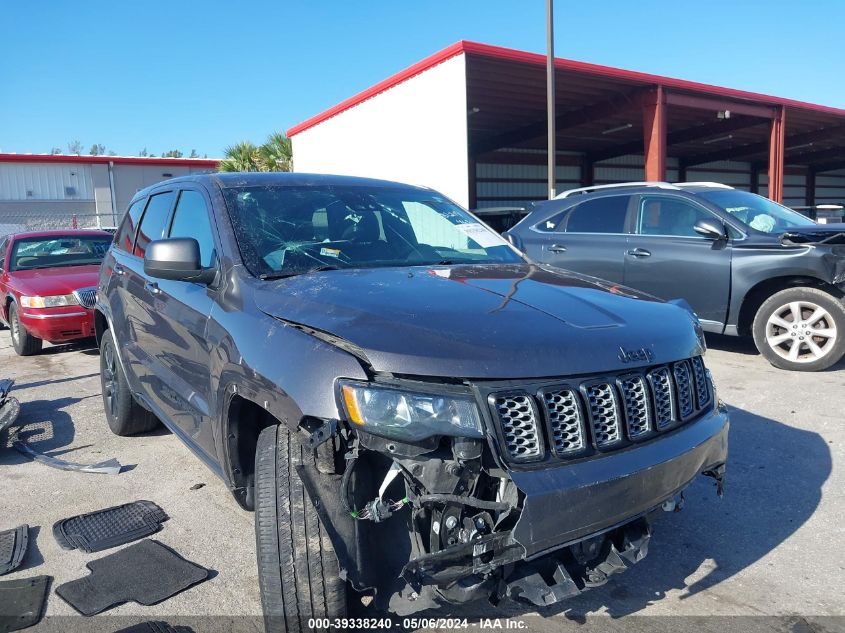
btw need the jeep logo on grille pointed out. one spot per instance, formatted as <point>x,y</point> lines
<point>632,355</point>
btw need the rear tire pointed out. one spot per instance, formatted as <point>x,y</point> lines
<point>298,572</point>
<point>25,344</point>
<point>801,329</point>
<point>123,414</point>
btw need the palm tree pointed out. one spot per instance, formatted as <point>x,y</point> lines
<point>276,153</point>
<point>243,156</point>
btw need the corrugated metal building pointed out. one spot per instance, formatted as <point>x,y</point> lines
<point>58,191</point>
<point>470,121</point>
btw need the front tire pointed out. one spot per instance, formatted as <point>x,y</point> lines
<point>123,414</point>
<point>801,329</point>
<point>25,344</point>
<point>298,572</point>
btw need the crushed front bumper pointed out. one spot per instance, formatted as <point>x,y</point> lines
<point>566,504</point>
<point>580,523</point>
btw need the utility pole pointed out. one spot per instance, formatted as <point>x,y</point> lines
<point>550,97</point>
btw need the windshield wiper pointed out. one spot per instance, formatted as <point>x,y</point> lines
<point>283,275</point>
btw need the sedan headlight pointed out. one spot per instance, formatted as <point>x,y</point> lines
<point>55,301</point>
<point>408,415</point>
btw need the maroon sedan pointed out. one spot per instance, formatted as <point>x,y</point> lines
<point>48,285</point>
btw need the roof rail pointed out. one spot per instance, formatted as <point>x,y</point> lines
<point>618,185</point>
<point>718,185</point>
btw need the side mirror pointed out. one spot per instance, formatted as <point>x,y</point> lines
<point>177,259</point>
<point>712,229</point>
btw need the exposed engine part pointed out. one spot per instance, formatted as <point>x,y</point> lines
<point>675,504</point>
<point>323,433</point>
<point>498,506</point>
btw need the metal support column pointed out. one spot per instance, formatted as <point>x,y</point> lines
<point>654,135</point>
<point>550,98</point>
<point>810,187</point>
<point>777,140</point>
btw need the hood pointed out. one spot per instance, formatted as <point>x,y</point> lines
<point>817,233</point>
<point>486,321</point>
<point>61,280</point>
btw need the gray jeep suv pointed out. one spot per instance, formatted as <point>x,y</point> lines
<point>747,265</point>
<point>412,410</point>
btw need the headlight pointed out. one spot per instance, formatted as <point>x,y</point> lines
<point>56,301</point>
<point>409,416</point>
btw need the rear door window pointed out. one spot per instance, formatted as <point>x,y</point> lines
<point>154,222</point>
<point>601,215</point>
<point>125,237</point>
<point>191,220</point>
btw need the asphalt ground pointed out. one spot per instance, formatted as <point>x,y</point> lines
<point>768,556</point>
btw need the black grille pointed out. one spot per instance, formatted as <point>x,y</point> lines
<point>518,418</point>
<point>604,413</point>
<point>566,422</point>
<point>87,297</point>
<point>600,414</point>
<point>686,404</point>
<point>637,406</point>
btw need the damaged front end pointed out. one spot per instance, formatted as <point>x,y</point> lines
<point>447,493</point>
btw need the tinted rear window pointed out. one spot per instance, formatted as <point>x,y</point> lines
<point>602,215</point>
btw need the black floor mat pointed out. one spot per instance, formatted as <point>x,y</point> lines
<point>155,626</point>
<point>13,547</point>
<point>111,527</point>
<point>22,602</point>
<point>146,572</point>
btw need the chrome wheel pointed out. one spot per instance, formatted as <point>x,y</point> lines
<point>110,380</point>
<point>15,329</point>
<point>801,332</point>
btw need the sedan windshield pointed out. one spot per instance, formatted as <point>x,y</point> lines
<point>755,211</point>
<point>290,230</point>
<point>58,250</point>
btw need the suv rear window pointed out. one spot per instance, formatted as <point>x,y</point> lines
<point>602,215</point>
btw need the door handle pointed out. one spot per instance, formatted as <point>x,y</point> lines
<point>556,248</point>
<point>152,288</point>
<point>639,252</point>
<point>118,270</point>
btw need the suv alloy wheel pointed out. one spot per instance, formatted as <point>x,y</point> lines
<point>802,329</point>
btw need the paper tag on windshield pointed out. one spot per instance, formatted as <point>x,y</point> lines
<point>480,235</point>
<point>329,252</point>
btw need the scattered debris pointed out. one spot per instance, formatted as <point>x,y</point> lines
<point>108,467</point>
<point>13,547</point>
<point>96,531</point>
<point>146,572</point>
<point>197,486</point>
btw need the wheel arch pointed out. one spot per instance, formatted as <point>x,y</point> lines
<point>758,293</point>
<point>101,324</point>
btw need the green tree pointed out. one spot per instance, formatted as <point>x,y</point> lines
<point>174,153</point>
<point>74,147</point>
<point>243,156</point>
<point>276,154</point>
<point>56,150</point>
<point>194,154</point>
<point>143,152</point>
<point>97,149</point>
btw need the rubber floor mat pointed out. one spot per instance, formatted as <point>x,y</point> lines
<point>146,572</point>
<point>12,548</point>
<point>22,602</point>
<point>96,531</point>
<point>155,626</point>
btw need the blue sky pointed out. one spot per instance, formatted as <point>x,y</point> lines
<point>203,75</point>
